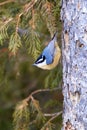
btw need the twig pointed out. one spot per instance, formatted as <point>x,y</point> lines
<point>17,25</point>
<point>10,19</point>
<point>51,119</point>
<point>52,114</point>
<point>7,1</point>
<point>6,22</point>
<point>59,113</point>
<point>33,20</point>
<point>47,114</point>
<point>26,9</point>
<point>38,91</point>
<point>30,5</point>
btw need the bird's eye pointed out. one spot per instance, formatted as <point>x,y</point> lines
<point>40,59</point>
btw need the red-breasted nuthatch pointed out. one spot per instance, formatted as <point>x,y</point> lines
<point>50,55</point>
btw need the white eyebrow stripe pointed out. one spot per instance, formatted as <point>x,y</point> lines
<point>41,59</point>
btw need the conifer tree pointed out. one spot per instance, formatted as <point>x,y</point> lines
<point>74,47</point>
<point>24,27</point>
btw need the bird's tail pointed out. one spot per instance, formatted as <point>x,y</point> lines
<point>55,36</point>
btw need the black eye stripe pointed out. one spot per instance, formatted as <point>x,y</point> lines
<point>40,59</point>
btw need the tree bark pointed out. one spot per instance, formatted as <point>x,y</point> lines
<point>74,52</point>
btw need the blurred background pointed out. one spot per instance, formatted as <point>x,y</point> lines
<point>18,78</point>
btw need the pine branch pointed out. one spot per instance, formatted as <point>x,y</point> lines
<point>30,5</point>
<point>3,30</point>
<point>18,21</point>
<point>51,114</point>
<point>48,115</point>
<point>7,21</point>
<point>22,111</point>
<point>21,116</point>
<point>38,91</point>
<point>34,48</point>
<point>48,15</point>
<point>50,120</point>
<point>15,43</point>
<point>6,2</point>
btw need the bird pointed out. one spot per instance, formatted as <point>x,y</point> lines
<point>49,58</point>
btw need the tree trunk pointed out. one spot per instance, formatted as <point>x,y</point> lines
<point>74,51</point>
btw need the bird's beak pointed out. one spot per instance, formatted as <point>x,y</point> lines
<point>34,64</point>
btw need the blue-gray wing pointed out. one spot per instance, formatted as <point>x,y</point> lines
<point>48,52</point>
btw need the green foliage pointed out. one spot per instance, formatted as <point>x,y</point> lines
<point>40,119</point>
<point>35,105</point>
<point>49,126</point>
<point>28,113</point>
<point>48,16</point>
<point>14,43</point>
<point>24,27</point>
<point>35,108</point>
<point>3,32</point>
<point>55,78</point>
<point>21,116</point>
<point>31,16</point>
<point>33,43</point>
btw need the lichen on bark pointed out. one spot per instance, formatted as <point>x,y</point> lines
<point>74,51</point>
